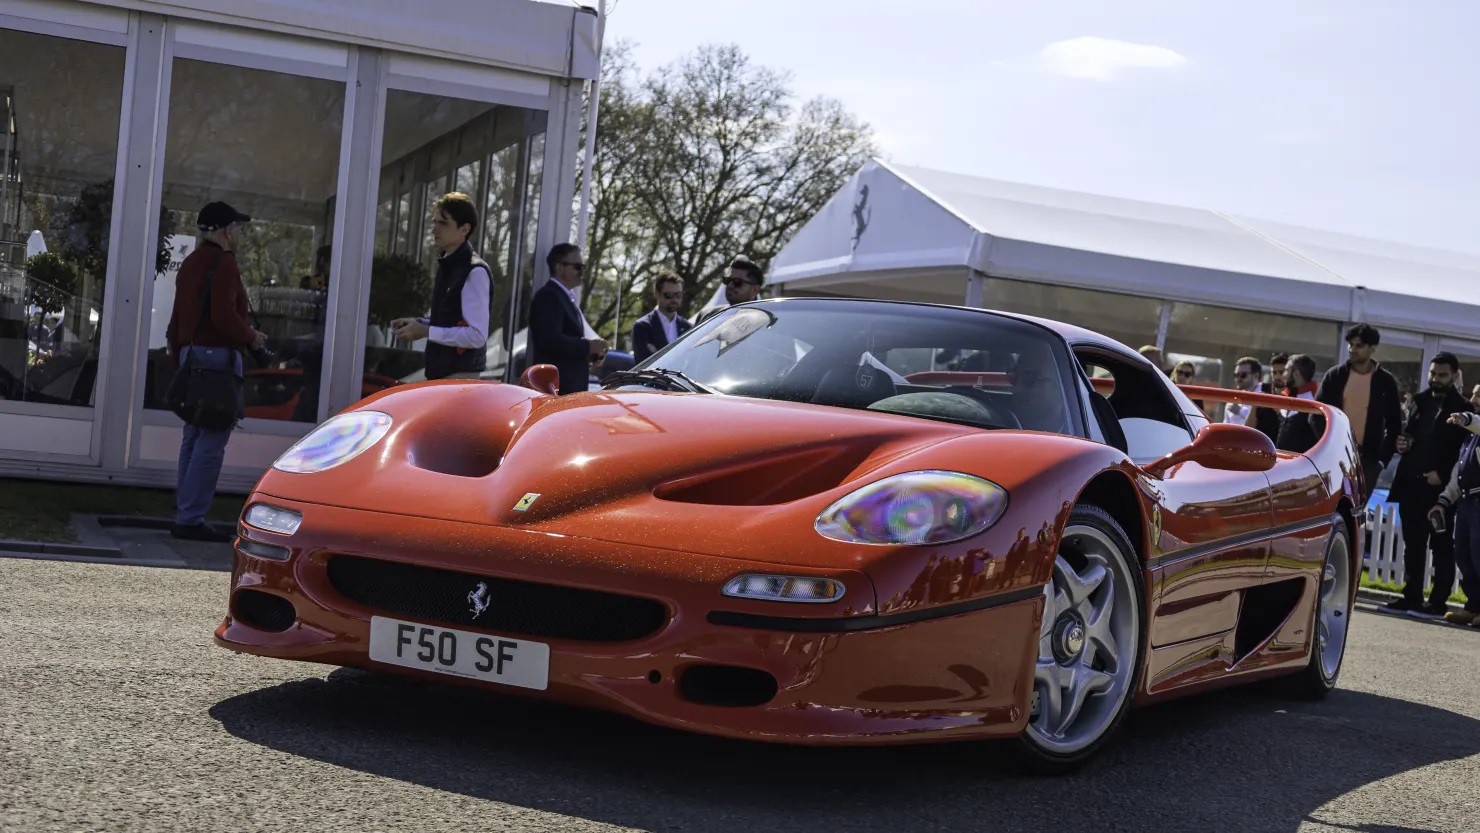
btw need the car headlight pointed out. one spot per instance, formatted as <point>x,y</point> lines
<point>273,518</point>
<point>339,440</point>
<point>784,588</point>
<point>917,507</point>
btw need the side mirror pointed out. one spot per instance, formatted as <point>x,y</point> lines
<point>544,378</point>
<point>1222,446</point>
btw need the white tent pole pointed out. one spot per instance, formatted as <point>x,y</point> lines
<point>975,288</point>
<point>592,107</point>
<point>1163,321</point>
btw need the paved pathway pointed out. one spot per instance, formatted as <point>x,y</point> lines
<point>118,713</point>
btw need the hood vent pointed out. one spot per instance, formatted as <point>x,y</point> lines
<point>457,448</point>
<point>774,479</point>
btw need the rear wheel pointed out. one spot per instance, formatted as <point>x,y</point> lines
<point>1089,644</point>
<point>1332,617</point>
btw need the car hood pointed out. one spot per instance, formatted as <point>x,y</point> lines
<point>713,474</point>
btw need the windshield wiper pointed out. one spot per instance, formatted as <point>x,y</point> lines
<point>672,379</point>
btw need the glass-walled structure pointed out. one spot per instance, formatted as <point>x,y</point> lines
<point>117,126</point>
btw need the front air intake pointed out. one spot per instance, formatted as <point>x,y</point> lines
<point>726,685</point>
<point>263,611</point>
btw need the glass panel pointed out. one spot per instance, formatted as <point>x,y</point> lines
<point>1469,371</point>
<point>466,181</point>
<point>425,136</point>
<point>1405,363</point>
<point>1128,319</point>
<point>429,195</point>
<point>500,224</point>
<point>60,101</point>
<point>403,223</point>
<point>1215,338</point>
<point>531,261</point>
<point>383,216</point>
<point>227,141</point>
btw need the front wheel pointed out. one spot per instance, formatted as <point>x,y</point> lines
<point>1089,644</point>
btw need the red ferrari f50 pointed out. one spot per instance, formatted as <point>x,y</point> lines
<point>822,522</point>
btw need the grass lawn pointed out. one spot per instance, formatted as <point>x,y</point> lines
<point>40,510</point>
<point>1458,597</point>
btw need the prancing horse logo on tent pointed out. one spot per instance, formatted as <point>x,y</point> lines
<point>862,213</point>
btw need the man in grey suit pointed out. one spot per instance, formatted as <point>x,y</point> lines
<point>663,325</point>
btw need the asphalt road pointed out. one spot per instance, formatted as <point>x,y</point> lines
<point>118,713</point>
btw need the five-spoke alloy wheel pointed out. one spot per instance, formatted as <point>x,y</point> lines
<point>1089,644</point>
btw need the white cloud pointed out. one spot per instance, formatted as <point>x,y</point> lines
<point>1101,59</point>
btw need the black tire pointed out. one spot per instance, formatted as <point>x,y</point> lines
<point>1034,750</point>
<point>1316,680</point>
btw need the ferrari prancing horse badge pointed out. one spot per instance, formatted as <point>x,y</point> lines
<point>526,502</point>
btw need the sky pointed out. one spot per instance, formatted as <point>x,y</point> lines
<point>1353,116</point>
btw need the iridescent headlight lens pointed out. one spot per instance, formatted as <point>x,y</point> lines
<point>339,440</point>
<point>918,507</point>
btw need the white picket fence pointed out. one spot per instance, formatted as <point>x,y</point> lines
<point>1384,557</point>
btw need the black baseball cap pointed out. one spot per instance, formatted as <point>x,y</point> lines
<point>219,215</point>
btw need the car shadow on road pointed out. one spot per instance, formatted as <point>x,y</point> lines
<point>1243,759</point>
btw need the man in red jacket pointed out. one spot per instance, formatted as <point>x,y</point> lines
<point>217,340</point>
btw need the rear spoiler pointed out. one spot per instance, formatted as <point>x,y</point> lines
<point>1106,386</point>
<point>1263,400</point>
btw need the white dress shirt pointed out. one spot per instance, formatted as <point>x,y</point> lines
<point>575,301</point>
<point>670,326</point>
<point>474,335</point>
<point>1237,414</point>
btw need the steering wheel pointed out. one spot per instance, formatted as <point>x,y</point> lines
<point>1001,414</point>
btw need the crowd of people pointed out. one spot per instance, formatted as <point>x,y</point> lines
<point>1432,435</point>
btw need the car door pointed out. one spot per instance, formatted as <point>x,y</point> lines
<point>1209,544</point>
<point>1208,534</point>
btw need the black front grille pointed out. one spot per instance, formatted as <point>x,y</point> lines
<point>513,606</point>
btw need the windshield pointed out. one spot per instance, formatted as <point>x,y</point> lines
<point>956,365</point>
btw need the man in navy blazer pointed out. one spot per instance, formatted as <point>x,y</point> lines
<point>662,326</point>
<point>557,329</point>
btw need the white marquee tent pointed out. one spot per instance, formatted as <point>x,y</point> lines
<point>914,233</point>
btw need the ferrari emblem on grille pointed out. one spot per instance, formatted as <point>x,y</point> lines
<point>526,502</point>
<point>478,600</point>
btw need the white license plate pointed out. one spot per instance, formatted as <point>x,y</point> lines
<point>478,656</point>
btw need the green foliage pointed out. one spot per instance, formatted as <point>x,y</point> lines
<point>704,159</point>
<point>51,281</point>
<point>80,231</point>
<point>399,287</point>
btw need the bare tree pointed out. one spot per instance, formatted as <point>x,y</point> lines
<point>705,159</point>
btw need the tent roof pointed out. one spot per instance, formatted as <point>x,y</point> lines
<point>550,37</point>
<point>899,220</point>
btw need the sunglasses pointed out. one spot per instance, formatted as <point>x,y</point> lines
<point>1242,375</point>
<point>673,296</point>
<point>737,282</point>
<point>1183,374</point>
<point>579,267</point>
